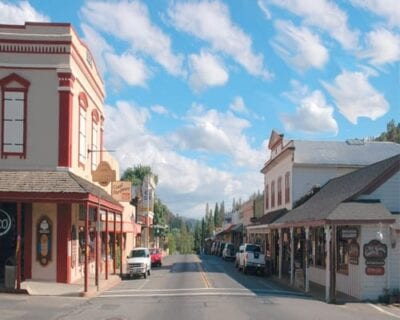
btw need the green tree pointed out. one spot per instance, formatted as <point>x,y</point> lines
<point>137,173</point>
<point>222,212</point>
<point>216,216</point>
<point>392,133</point>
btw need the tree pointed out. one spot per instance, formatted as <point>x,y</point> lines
<point>137,173</point>
<point>392,133</point>
<point>216,216</point>
<point>222,212</point>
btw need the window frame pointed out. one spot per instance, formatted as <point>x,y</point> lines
<point>266,197</point>
<point>272,194</point>
<point>287,187</point>
<point>83,106</point>
<point>279,191</point>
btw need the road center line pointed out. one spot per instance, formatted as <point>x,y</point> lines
<point>186,294</point>
<point>204,276</point>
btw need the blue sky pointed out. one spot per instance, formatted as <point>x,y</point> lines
<point>194,88</point>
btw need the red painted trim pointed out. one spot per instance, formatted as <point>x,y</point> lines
<point>66,79</point>
<point>115,244</point>
<point>6,87</point>
<point>64,212</point>
<point>28,242</point>
<point>95,116</point>
<point>86,271</point>
<point>65,122</point>
<point>83,100</point>
<point>106,248</point>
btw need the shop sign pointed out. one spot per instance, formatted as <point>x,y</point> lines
<point>5,223</point>
<point>121,190</point>
<point>44,236</point>
<point>375,263</point>
<point>348,233</point>
<point>375,250</point>
<point>375,271</point>
<point>354,252</point>
<point>104,174</point>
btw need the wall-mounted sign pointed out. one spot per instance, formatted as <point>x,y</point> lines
<point>5,222</point>
<point>348,233</point>
<point>375,250</point>
<point>375,271</point>
<point>104,174</point>
<point>354,252</point>
<point>44,236</point>
<point>121,190</point>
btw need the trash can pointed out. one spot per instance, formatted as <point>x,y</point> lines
<point>10,273</point>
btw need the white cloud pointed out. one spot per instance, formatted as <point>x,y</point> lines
<point>129,68</point>
<point>185,184</point>
<point>383,47</point>
<point>388,9</point>
<point>130,22</point>
<point>313,115</point>
<point>325,15</point>
<point>218,133</point>
<point>159,109</point>
<point>264,8</point>
<point>206,70</point>
<point>238,105</point>
<point>355,97</point>
<point>299,47</point>
<point>210,21</point>
<point>20,13</point>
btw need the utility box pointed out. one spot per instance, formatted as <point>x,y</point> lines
<point>10,274</point>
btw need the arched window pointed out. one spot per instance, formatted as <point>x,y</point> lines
<point>14,93</point>
<point>83,105</point>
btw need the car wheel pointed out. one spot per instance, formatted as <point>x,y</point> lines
<point>148,272</point>
<point>145,275</point>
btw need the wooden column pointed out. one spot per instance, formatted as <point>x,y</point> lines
<point>115,245</point>
<point>328,262</point>
<point>291,256</point>
<point>121,247</point>
<point>28,240</point>
<point>307,242</point>
<point>86,275</point>
<point>332,265</point>
<point>18,253</point>
<point>280,253</point>
<point>106,248</point>
<point>97,246</point>
<point>64,224</point>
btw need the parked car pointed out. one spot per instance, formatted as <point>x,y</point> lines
<point>213,247</point>
<point>250,257</point>
<point>220,248</point>
<point>156,257</point>
<point>228,253</point>
<point>139,262</point>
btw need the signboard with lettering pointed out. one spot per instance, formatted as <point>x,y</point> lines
<point>348,233</point>
<point>5,222</point>
<point>375,271</point>
<point>121,190</point>
<point>104,174</point>
<point>375,250</point>
<point>44,236</point>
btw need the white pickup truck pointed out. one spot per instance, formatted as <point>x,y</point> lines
<point>249,257</point>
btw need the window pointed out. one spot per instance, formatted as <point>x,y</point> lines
<point>287,187</point>
<point>320,252</point>
<point>14,110</point>
<point>82,129</point>
<point>267,197</point>
<point>279,191</point>
<point>272,194</point>
<point>95,138</point>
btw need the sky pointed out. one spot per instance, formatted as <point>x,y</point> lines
<point>194,88</point>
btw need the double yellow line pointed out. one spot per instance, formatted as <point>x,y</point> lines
<point>204,277</point>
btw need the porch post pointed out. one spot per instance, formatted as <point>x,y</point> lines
<point>121,247</point>
<point>291,256</point>
<point>18,251</point>
<point>307,242</point>
<point>280,253</point>
<point>86,275</point>
<point>97,246</point>
<point>115,244</point>
<point>332,265</point>
<point>327,263</point>
<point>106,248</point>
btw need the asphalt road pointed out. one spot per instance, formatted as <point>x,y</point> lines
<point>187,287</point>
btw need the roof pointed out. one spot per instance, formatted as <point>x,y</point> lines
<point>325,203</point>
<point>350,152</point>
<point>50,182</point>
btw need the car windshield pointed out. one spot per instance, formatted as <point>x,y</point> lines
<point>253,248</point>
<point>137,254</point>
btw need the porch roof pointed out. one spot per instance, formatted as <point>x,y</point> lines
<point>51,185</point>
<point>336,200</point>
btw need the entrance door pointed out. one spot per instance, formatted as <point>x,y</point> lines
<point>8,235</point>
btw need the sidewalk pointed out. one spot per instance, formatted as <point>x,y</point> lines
<point>47,288</point>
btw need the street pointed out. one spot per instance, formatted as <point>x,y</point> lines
<point>187,287</point>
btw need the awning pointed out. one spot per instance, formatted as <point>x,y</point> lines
<point>238,228</point>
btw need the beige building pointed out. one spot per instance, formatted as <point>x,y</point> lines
<point>55,190</point>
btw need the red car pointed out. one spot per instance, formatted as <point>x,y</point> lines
<point>156,257</point>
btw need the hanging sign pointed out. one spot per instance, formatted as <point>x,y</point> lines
<point>5,223</point>
<point>121,190</point>
<point>44,236</point>
<point>375,250</point>
<point>375,271</point>
<point>348,233</point>
<point>104,174</point>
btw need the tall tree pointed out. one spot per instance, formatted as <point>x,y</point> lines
<point>216,216</point>
<point>137,173</point>
<point>222,212</point>
<point>392,133</point>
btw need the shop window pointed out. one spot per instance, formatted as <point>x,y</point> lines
<point>279,191</point>
<point>83,105</point>
<point>14,115</point>
<point>320,250</point>
<point>287,187</point>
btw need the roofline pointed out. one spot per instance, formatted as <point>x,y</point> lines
<point>329,222</point>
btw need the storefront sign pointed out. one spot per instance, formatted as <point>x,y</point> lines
<point>375,263</point>
<point>354,252</point>
<point>375,271</point>
<point>44,236</point>
<point>121,190</point>
<point>104,174</point>
<point>375,250</point>
<point>348,233</point>
<point>5,222</point>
